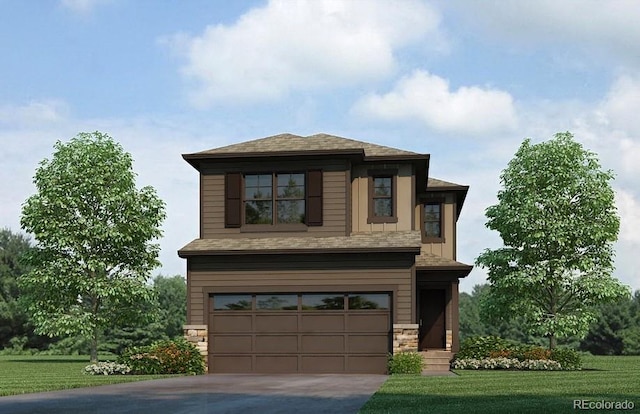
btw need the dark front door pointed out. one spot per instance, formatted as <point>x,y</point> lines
<point>432,327</point>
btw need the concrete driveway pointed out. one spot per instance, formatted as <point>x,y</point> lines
<point>228,393</point>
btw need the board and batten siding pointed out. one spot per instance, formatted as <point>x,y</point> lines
<point>447,247</point>
<point>334,195</point>
<point>202,283</point>
<point>360,199</point>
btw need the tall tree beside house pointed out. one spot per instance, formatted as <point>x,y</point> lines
<point>12,318</point>
<point>171,296</point>
<point>558,222</point>
<point>616,331</point>
<point>94,231</point>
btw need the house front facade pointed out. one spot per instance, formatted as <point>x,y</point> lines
<point>321,254</point>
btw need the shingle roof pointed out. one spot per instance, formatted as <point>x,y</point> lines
<point>317,142</point>
<point>431,260</point>
<point>399,240</point>
<point>436,182</point>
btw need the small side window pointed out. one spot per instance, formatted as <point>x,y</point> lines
<point>383,194</point>
<point>432,221</point>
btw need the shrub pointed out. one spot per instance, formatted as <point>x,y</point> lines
<point>141,360</point>
<point>479,347</point>
<point>506,363</point>
<point>177,356</point>
<point>106,368</point>
<point>503,353</point>
<point>405,363</point>
<point>569,359</point>
<point>536,353</point>
<point>525,352</point>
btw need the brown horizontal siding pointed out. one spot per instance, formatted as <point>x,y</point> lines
<point>204,282</point>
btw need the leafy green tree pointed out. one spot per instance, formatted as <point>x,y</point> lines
<point>171,294</point>
<point>606,332</point>
<point>16,331</point>
<point>470,322</point>
<point>474,321</point>
<point>93,229</point>
<point>557,220</point>
<point>12,318</point>
<point>616,330</point>
<point>631,335</point>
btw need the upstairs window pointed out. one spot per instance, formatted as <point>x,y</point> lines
<point>432,221</point>
<point>274,198</point>
<point>383,197</point>
<point>290,198</point>
<point>258,199</point>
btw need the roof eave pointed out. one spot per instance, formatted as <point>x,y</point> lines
<point>463,270</point>
<point>196,158</point>
<point>185,253</point>
<point>461,194</point>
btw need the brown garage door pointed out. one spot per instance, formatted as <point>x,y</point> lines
<point>311,333</point>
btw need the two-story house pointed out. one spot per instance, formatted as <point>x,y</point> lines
<point>321,254</point>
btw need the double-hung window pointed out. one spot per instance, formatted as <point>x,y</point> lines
<point>383,197</point>
<point>277,198</point>
<point>432,221</point>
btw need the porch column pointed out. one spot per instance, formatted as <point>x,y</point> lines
<point>455,317</point>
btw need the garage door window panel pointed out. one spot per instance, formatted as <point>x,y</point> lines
<point>232,302</point>
<point>311,302</point>
<point>366,301</point>
<point>277,302</point>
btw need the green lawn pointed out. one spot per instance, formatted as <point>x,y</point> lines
<point>26,374</point>
<point>603,378</point>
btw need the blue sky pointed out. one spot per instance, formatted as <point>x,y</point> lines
<point>464,81</point>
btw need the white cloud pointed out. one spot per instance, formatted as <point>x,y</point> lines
<point>35,112</point>
<point>622,105</point>
<point>429,98</point>
<point>82,7</point>
<point>606,28</point>
<point>629,211</point>
<point>296,45</point>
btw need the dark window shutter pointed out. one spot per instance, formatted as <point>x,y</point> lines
<point>232,200</point>
<point>314,198</point>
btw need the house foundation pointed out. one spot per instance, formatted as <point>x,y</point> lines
<point>198,335</point>
<point>405,337</point>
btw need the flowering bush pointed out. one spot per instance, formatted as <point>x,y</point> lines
<point>141,360</point>
<point>506,363</point>
<point>106,368</point>
<point>165,357</point>
<point>481,348</point>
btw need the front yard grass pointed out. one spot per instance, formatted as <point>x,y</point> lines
<point>22,374</point>
<point>602,378</point>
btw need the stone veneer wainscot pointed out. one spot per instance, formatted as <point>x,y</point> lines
<point>405,337</point>
<point>198,335</point>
